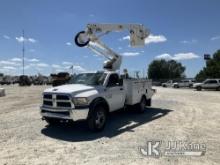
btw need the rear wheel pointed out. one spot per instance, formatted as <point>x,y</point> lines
<point>141,106</point>
<point>97,119</point>
<point>148,102</point>
<point>199,88</point>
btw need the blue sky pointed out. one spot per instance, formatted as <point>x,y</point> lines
<point>180,30</point>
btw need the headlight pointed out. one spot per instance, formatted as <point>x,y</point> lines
<point>80,101</point>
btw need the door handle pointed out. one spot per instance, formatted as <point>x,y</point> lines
<point>121,89</point>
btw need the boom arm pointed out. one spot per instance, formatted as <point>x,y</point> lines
<point>90,38</point>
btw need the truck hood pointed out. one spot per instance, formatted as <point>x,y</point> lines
<point>73,89</point>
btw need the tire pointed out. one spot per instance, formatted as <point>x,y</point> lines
<point>97,118</point>
<point>218,89</point>
<point>148,102</point>
<point>176,86</point>
<point>141,106</point>
<point>52,121</point>
<point>77,41</point>
<point>199,88</point>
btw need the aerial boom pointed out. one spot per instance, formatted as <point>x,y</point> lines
<point>90,38</point>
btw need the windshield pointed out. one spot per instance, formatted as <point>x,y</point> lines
<point>88,79</point>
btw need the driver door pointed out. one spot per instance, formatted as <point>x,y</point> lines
<point>115,93</point>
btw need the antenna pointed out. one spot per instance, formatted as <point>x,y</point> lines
<point>23,50</point>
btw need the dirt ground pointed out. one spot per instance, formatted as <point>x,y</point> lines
<point>176,114</point>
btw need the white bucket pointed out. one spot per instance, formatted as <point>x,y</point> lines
<point>2,92</point>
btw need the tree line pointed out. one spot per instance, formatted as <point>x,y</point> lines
<point>171,69</point>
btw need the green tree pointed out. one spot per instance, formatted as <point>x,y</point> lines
<point>212,69</point>
<point>163,69</point>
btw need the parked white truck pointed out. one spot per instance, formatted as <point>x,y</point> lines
<point>183,84</point>
<point>91,96</point>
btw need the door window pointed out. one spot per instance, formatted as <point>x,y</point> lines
<point>113,80</point>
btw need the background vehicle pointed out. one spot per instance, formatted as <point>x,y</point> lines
<point>24,80</point>
<point>183,83</point>
<point>60,78</point>
<point>208,84</point>
<point>168,84</point>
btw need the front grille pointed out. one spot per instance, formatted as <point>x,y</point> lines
<point>62,97</point>
<point>48,103</point>
<point>47,96</point>
<point>57,101</point>
<point>63,104</point>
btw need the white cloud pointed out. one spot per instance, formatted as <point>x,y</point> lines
<point>193,41</point>
<point>126,38</point>
<point>155,39</point>
<point>150,39</point>
<point>33,60</point>
<point>32,40</point>
<point>178,56</point>
<point>3,62</point>
<point>78,68</point>
<point>215,38</point>
<point>8,67</point>
<point>22,39</point>
<point>185,56</point>
<point>56,66</point>
<point>130,54</point>
<point>41,65</point>
<point>15,59</point>
<point>68,44</point>
<point>6,37</point>
<point>67,63</point>
<point>164,56</point>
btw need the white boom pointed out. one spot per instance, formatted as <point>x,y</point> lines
<point>90,38</point>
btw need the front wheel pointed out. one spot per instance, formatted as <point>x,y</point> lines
<point>97,119</point>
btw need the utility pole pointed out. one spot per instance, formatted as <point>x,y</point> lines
<point>23,50</point>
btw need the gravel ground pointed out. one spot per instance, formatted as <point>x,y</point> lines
<point>176,114</point>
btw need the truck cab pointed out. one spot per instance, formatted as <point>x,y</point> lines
<point>91,96</point>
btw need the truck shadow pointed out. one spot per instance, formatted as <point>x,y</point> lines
<point>120,122</point>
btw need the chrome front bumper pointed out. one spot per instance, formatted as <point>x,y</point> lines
<point>67,114</point>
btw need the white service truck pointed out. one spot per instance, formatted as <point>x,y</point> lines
<point>92,96</point>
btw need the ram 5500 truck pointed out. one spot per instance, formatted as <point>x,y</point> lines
<point>91,96</point>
